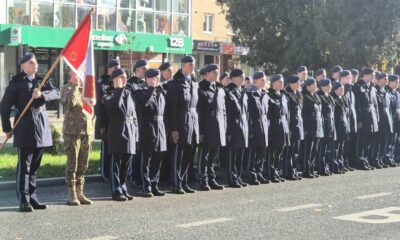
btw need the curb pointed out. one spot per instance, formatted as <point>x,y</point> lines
<point>48,182</point>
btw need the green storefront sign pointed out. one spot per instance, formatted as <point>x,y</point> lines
<point>48,37</point>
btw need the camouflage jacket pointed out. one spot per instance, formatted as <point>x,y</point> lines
<point>75,121</point>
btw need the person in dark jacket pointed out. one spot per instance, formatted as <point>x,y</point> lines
<point>395,109</point>
<point>224,151</point>
<point>296,131</point>
<point>182,98</point>
<point>367,118</point>
<point>150,107</point>
<point>342,127</point>
<point>237,127</point>
<point>335,73</point>
<point>212,125</point>
<point>121,132</point>
<point>33,134</point>
<point>278,127</point>
<point>104,86</point>
<point>313,126</point>
<point>258,128</point>
<point>135,83</point>
<point>326,162</point>
<point>385,121</point>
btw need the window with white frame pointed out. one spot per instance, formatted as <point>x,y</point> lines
<point>208,21</point>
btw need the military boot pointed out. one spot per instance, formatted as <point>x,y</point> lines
<point>72,199</point>
<point>81,197</point>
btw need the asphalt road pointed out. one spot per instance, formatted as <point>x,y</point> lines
<point>307,209</point>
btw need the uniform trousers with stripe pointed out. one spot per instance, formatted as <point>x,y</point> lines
<point>105,160</point>
<point>182,157</point>
<point>151,165</point>
<point>207,159</point>
<point>119,165</point>
<point>235,165</point>
<point>29,160</point>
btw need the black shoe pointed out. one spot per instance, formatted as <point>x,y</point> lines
<point>128,196</point>
<point>275,180</point>
<point>204,187</point>
<point>308,176</point>
<point>157,192</point>
<point>281,179</point>
<point>392,165</point>
<point>187,189</point>
<point>37,205</point>
<point>25,207</point>
<point>316,175</point>
<point>177,190</point>
<point>235,185</point>
<point>291,178</point>
<point>364,168</point>
<point>254,182</point>
<point>262,180</point>
<point>242,183</point>
<point>385,166</point>
<point>215,186</point>
<point>299,178</point>
<point>350,168</point>
<point>119,198</point>
<point>147,194</point>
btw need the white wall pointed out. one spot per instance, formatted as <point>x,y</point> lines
<point>3,11</point>
<point>7,66</point>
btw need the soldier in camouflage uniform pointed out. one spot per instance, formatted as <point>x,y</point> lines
<point>77,131</point>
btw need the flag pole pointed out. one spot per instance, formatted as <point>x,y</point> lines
<point>43,82</point>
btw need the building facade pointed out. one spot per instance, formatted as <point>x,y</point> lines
<point>158,30</point>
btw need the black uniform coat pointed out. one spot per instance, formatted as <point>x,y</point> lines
<point>328,111</point>
<point>258,115</point>
<point>278,118</point>
<point>122,129</point>
<point>312,115</point>
<point>342,122</point>
<point>385,114</point>
<point>34,129</point>
<point>150,107</point>
<point>212,114</point>
<point>182,98</point>
<point>366,106</point>
<point>352,113</point>
<point>395,108</point>
<point>295,105</point>
<point>237,116</point>
<point>134,84</point>
<point>103,86</point>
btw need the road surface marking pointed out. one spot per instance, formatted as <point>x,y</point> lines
<point>373,195</point>
<point>299,207</point>
<point>378,216</point>
<point>102,238</point>
<point>205,222</point>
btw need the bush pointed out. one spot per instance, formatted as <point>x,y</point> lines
<point>56,148</point>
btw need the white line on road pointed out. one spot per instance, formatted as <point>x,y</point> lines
<point>102,238</point>
<point>299,207</point>
<point>373,195</point>
<point>205,222</point>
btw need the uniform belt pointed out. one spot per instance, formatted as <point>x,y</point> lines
<point>192,110</point>
<point>214,113</point>
<point>130,119</point>
<point>158,118</point>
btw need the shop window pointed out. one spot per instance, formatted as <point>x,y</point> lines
<point>66,1</point>
<point>107,3</point>
<point>145,4</point>
<point>208,21</point>
<point>180,25</point>
<point>180,6</point>
<point>18,12</point>
<point>42,14</point>
<point>126,20</point>
<point>82,11</point>
<point>145,22</point>
<point>106,19</point>
<point>64,15</point>
<point>163,22</point>
<point>163,6</point>
<point>127,3</point>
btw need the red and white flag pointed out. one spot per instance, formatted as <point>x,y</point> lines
<point>78,54</point>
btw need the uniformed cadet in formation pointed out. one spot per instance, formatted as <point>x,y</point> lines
<point>77,133</point>
<point>33,134</point>
<point>150,107</point>
<point>121,132</point>
<point>342,128</point>
<point>104,86</point>
<point>335,73</point>
<point>319,75</point>
<point>393,85</point>
<point>350,151</point>
<point>212,126</point>
<point>182,97</point>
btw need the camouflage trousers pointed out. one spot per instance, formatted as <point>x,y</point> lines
<point>77,149</point>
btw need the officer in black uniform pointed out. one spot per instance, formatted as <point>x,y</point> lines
<point>258,128</point>
<point>296,132</point>
<point>367,118</point>
<point>135,83</point>
<point>237,127</point>
<point>33,134</point>
<point>150,107</point>
<point>302,74</point>
<point>223,154</point>
<point>278,114</point>
<point>320,74</point>
<point>165,74</point>
<point>335,73</point>
<point>326,162</point>
<point>182,98</point>
<point>392,89</point>
<point>385,121</point>
<point>313,126</point>
<point>121,133</point>
<point>212,125</point>
<point>104,86</point>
